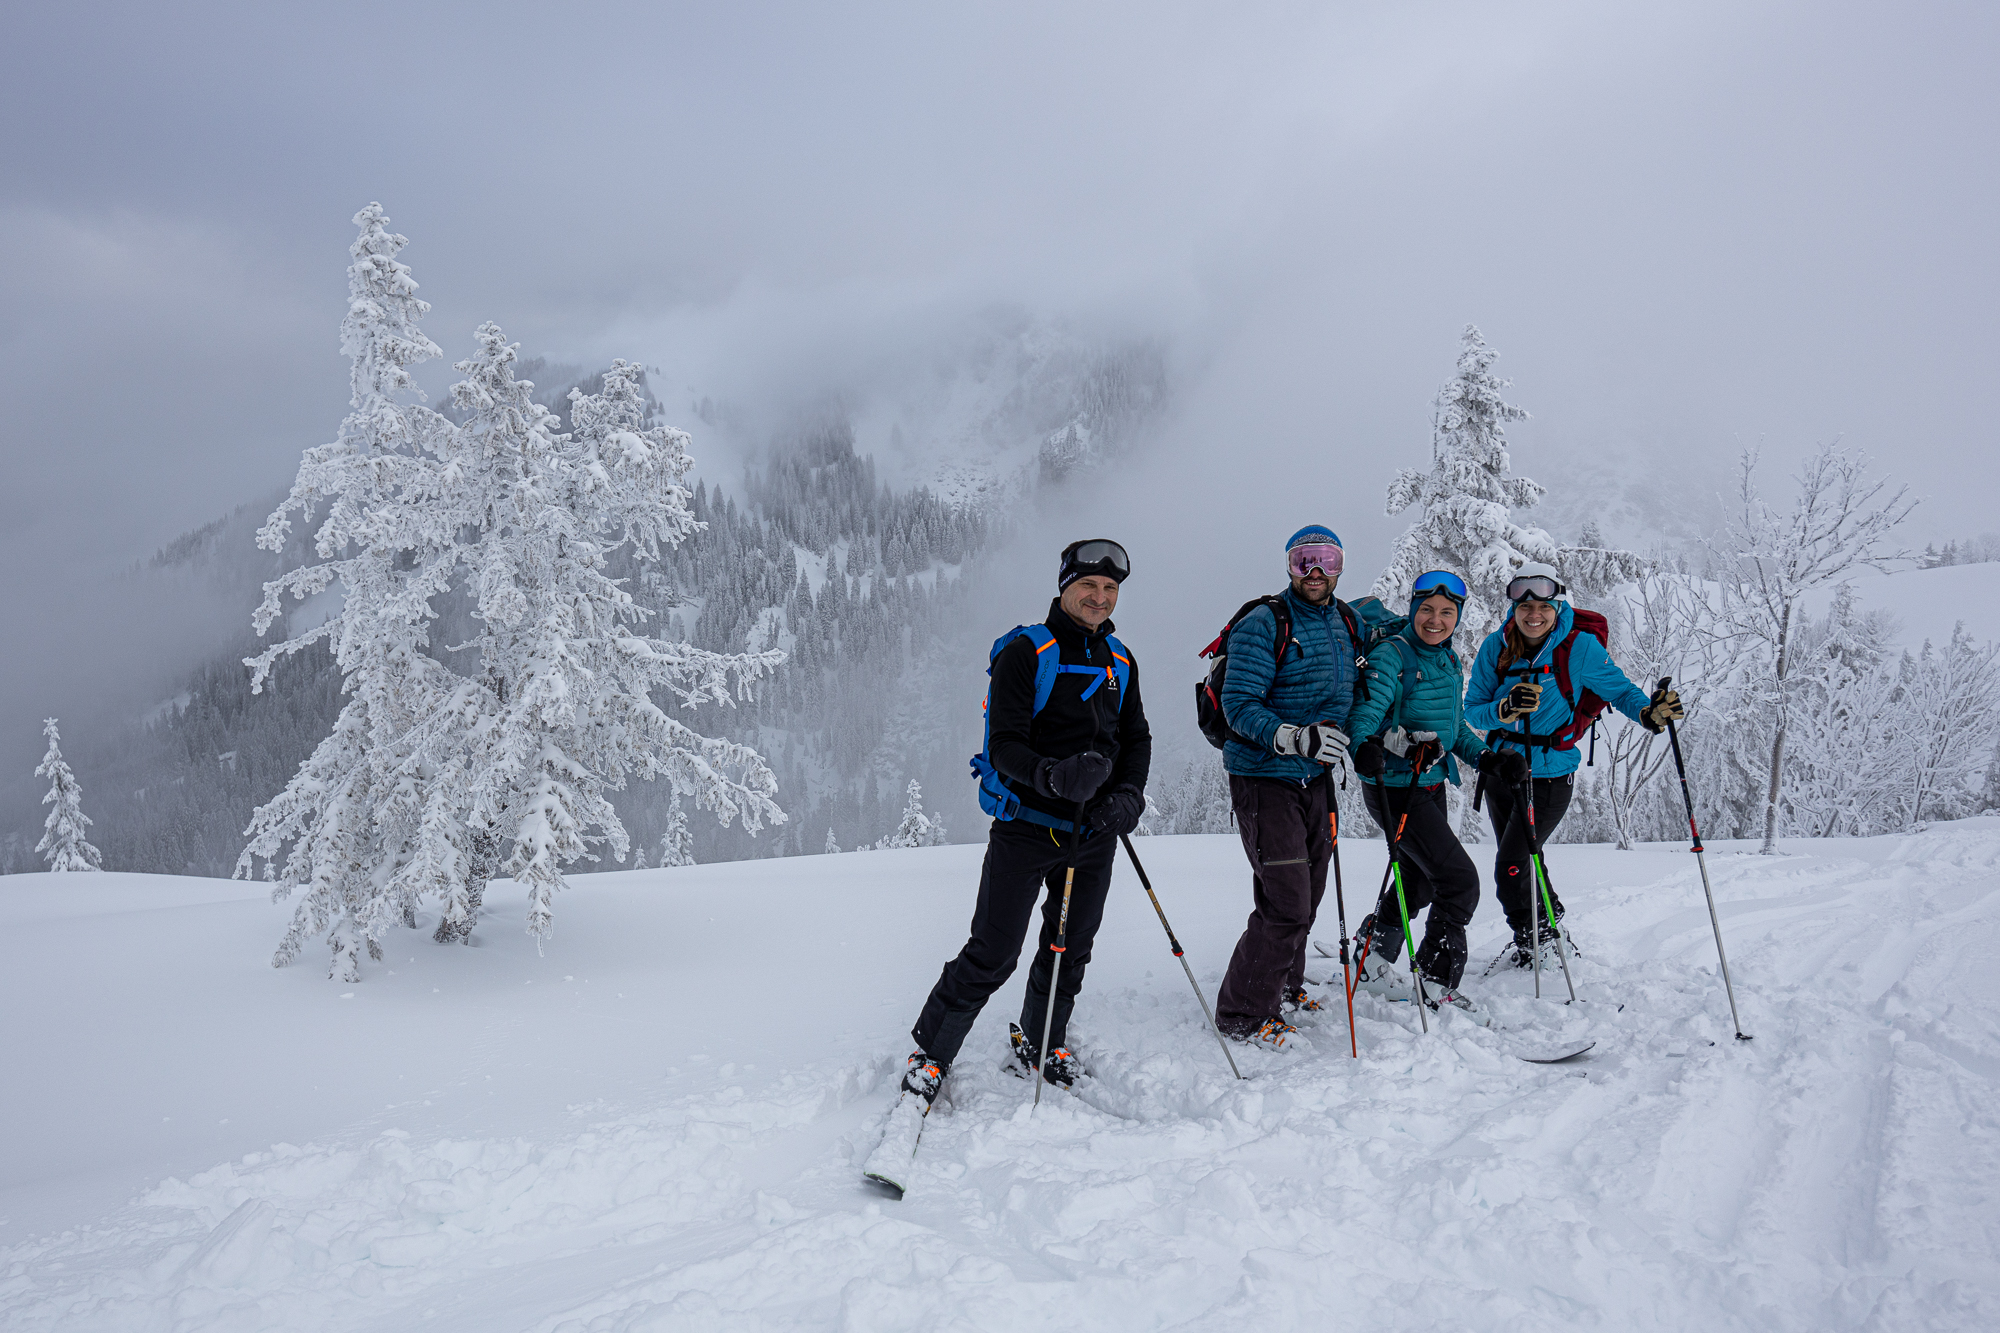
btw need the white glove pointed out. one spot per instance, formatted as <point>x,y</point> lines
<point>1321,742</point>
<point>1398,741</point>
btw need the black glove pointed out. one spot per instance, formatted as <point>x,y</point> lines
<point>1505,767</point>
<point>1368,758</point>
<point>1665,708</point>
<point>1076,778</point>
<point>1522,700</point>
<point>1117,812</point>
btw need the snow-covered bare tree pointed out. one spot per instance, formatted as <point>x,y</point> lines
<point>677,843</point>
<point>1467,498</point>
<point>1951,700</point>
<point>1848,719</point>
<point>1651,637</point>
<point>63,841</point>
<point>1766,561</point>
<point>432,782</point>
<point>916,829</point>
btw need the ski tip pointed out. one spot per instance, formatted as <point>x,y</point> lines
<point>884,1184</point>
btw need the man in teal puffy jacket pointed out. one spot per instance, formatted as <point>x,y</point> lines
<point>1286,715</point>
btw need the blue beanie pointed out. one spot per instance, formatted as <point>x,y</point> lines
<point>1313,535</point>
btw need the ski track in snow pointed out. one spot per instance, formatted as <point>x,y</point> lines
<point>1838,1172</point>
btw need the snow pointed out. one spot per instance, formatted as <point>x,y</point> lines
<point>1927,603</point>
<point>655,1122</point>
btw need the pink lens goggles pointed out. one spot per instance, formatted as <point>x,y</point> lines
<point>1302,560</point>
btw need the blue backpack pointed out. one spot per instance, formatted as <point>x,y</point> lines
<point>996,798</point>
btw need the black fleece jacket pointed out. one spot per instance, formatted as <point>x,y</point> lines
<point>1068,724</point>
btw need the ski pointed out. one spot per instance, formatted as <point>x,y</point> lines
<point>890,1164</point>
<point>1557,1054</point>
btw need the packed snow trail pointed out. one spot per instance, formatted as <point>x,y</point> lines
<point>1839,1172</point>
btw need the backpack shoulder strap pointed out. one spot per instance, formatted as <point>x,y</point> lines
<point>1046,660</point>
<point>1121,666</point>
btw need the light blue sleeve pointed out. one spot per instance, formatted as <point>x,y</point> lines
<point>1591,668</point>
<point>1482,685</point>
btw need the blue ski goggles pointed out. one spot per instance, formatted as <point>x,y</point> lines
<point>1438,580</point>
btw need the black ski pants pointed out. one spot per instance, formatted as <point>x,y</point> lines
<point>1021,858</point>
<point>1513,869</point>
<point>1437,874</point>
<point>1290,844</point>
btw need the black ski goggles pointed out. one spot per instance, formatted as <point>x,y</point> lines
<point>1098,556</point>
<point>1540,587</point>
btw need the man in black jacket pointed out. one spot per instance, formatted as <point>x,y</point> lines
<point>1087,751</point>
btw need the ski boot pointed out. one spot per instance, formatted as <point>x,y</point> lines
<point>922,1077</point>
<point>1378,976</point>
<point>1063,1068</point>
<point>1298,1001</point>
<point>1273,1034</point>
<point>1441,996</point>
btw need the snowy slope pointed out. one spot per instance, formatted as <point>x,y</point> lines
<point>655,1125</point>
<point>1927,603</point>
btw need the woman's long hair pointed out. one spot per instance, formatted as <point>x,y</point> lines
<point>1514,644</point>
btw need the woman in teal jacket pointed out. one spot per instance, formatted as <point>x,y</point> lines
<point>1415,730</point>
<point>1513,695</point>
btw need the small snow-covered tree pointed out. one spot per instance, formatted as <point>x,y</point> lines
<point>639,859</point>
<point>1467,498</point>
<point>677,843</point>
<point>63,841</point>
<point>916,829</point>
<point>1768,560</point>
<point>832,848</point>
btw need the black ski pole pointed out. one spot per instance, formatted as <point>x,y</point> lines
<point>1175,945</point>
<point>1540,889</point>
<point>1340,909</point>
<point>1673,738</point>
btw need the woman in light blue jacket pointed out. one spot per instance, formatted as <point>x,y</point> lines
<point>1515,694</point>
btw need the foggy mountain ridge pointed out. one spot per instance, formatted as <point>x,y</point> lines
<point>864,584</point>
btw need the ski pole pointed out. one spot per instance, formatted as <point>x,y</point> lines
<point>1055,968</point>
<point>1541,889</point>
<point>1175,945</point>
<point>1673,738</point>
<point>1340,909</point>
<point>1403,904</point>
<point>1361,953</point>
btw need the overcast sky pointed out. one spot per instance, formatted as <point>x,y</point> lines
<point>1687,228</point>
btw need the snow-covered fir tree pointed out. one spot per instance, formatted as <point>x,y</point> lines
<point>63,843</point>
<point>1467,498</point>
<point>832,847</point>
<point>676,844</point>
<point>433,782</point>
<point>916,828</point>
<point>347,828</point>
<point>639,859</point>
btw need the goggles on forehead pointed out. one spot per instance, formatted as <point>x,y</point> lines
<point>1540,587</point>
<point>1439,580</point>
<point>1100,556</point>
<point>1302,560</point>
